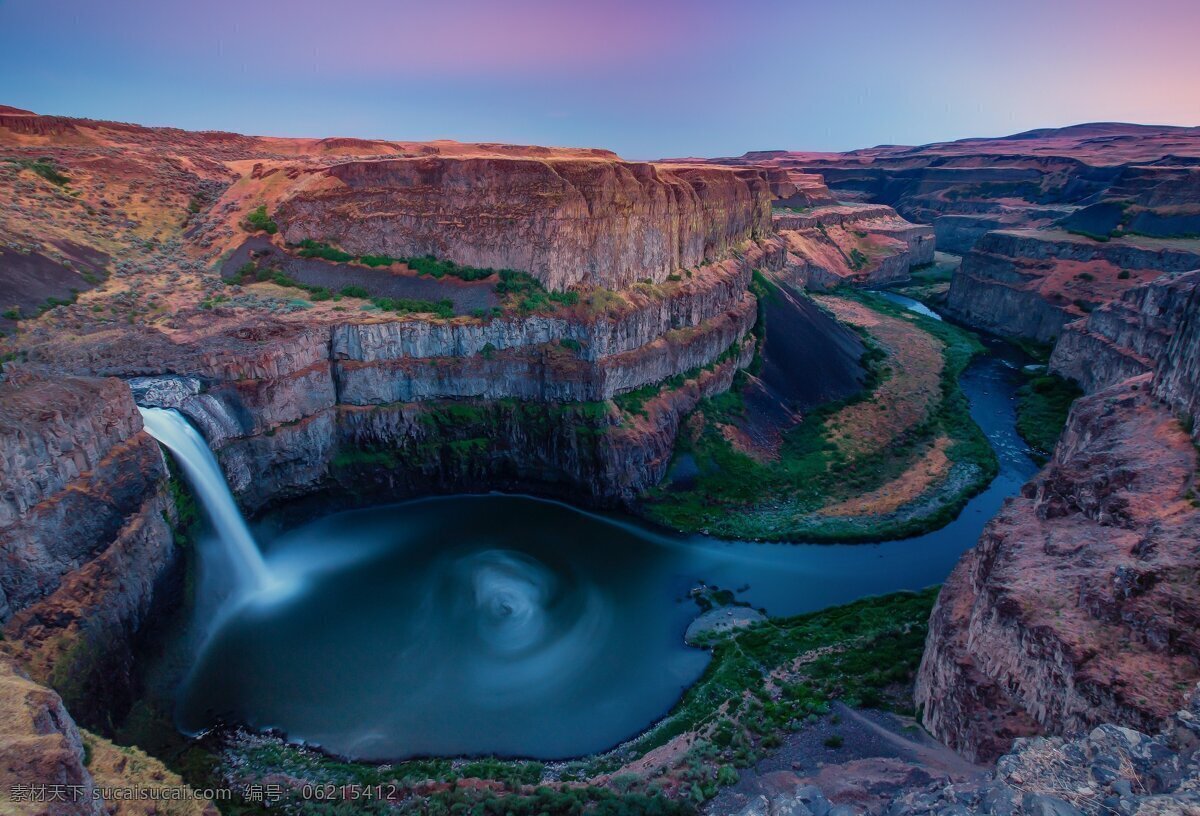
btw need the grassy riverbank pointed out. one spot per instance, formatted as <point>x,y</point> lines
<point>900,458</point>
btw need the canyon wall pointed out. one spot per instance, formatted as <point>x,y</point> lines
<point>86,534</point>
<point>1125,337</point>
<point>567,222</point>
<point>1177,375</point>
<point>863,245</point>
<point>1029,284</point>
<point>279,399</point>
<point>1079,605</point>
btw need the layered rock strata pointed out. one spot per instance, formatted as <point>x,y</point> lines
<point>567,222</point>
<point>1125,337</point>
<point>850,243</point>
<point>274,397</point>
<point>1029,284</point>
<point>86,533</point>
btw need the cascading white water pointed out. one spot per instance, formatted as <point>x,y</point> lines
<point>200,467</point>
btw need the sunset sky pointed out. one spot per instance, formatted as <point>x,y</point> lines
<point>647,79</point>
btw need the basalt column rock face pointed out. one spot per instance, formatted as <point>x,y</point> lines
<point>566,221</point>
<point>1177,379</point>
<point>1080,603</point>
<point>85,533</point>
<point>1126,337</point>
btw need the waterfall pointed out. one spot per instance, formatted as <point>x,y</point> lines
<point>203,473</point>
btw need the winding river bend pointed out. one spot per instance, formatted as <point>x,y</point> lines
<point>514,626</point>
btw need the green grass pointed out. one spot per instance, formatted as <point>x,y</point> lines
<point>634,402</point>
<point>259,221</point>
<point>738,496</point>
<point>309,248</point>
<point>525,293</point>
<point>441,308</point>
<point>1043,404</point>
<point>874,647</point>
<point>520,291</point>
<point>248,273</point>
<point>49,303</point>
<point>44,167</point>
<point>928,283</point>
<point>422,265</point>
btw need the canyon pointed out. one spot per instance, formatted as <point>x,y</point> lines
<point>354,322</point>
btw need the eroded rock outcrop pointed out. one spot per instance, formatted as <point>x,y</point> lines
<point>1030,283</point>
<point>1110,770</point>
<point>1079,605</point>
<point>565,221</point>
<point>853,243</point>
<point>86,536</point>
<point>49,767</point>
<point>1128,336</point>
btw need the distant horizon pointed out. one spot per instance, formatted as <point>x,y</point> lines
<point>644,78</point>
<point>401,138</point>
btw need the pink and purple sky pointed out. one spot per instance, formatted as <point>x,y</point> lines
<point>647,79</point>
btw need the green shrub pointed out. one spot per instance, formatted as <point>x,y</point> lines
<point>44,167</point>
<point>441,308</point>
<point>1043,405</point>
<point>259,221</point>
<point>318,249</point>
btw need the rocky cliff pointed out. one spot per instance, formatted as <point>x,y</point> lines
<point>1110,770</point>
<point>274,396</point>
<point>852,243</point>
<point>1079,604</point>
<point>568,222</point>
<point>1029,284</point>
<point>1177,375</point>
<point>1127,336</point>
<point>50,767</point>
<point>86,534</point>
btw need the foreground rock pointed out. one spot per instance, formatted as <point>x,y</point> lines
<point>1079,605</point>
<point>1110,771</point>
<point>49,767</point>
